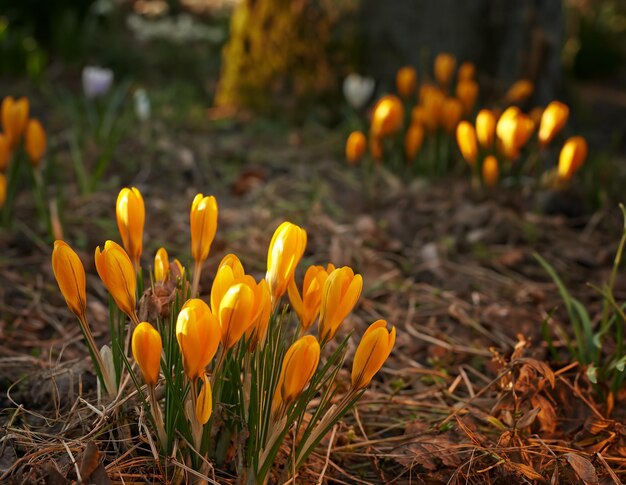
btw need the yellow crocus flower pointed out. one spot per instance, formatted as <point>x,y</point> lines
<point>486,127</point>
<point>445,65</point>
<point>406,81</point>
<point>451,113</point>
<point>284,254</point>
<point>161,265</point>
<point>356,146</point>
<point>572,157</point>
<point>372,352</point>
<point>491,171</point>
<point>236,313</point>
<point>198,334</point>
<point>413,141</point>
<point>299,365</point>
<point>14,114</point>
<point>553,120</point>
<point>35,141</point>
<point>131,215</point>
<point>204,403</point>
<point>339,296</point>
<point>70,275</point>
<point>147,347</point>
<point>466,139</point>
<point>387,117</point>
<point>118,275</point>
<point>203,222</point>
<point>307,304</point>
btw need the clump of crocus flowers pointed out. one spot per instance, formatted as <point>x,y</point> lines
<point>497,144</point>
<point>414,129</point>
<point>22,138</point>
<point>238,369</point>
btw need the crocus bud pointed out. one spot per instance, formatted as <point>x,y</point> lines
<point>387,117</point>
<point>413,141</point>
<point>131,215</point>
<point>35,141</point>
<point>356,146</point>
<point>491,172</point>
<point>204,403</point>
<point>339,296</point>
<point>406,81</point>
<point>203,222</point>
<point>198,334</point>
<point>467,92</point>
<point>513,130</point>
<point>3,189</point>
<point>5,152</point>
<point>451,113</point>
<point>372,352</point>
<point>307,305</point>
<point>572,157</point>
<point>161,266</point>
<point>520,91</point>
<point>358,90</point>
<point>146,347</point>
<point>467,71</point>
<point>236,313</point>
<point>445,64</point>
<point>70,275</point>
<point>553,120</point>
<point>284,254</point>
<point>14,115</point>
<point>432,101</point>
<point>466,139</point>
<point>418,115</point>
<point>299,365</point>
<point>229,271</point>
<point>485,128</point>
<point>118,275</point>
<point>255,334</point>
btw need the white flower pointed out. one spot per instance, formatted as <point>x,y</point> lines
<point>96,81</point>
<point>358,90</point>
<point>142,104</point>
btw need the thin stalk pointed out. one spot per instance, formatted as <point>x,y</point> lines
<point>197,271</point>
<point>158,416</point>
<point>108,382</point>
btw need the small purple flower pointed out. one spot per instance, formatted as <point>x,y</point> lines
<point>96,81</point>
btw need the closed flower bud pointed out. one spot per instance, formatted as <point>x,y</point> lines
<point>485,128</point>
<point>70,275</point>
<point>14,115</point>
<point>418,115</point>
<point>307,305</point>
<point>491,172</point>
<point>467,92</point>
<point>356,146</point>
<point>131,215</point>
<point>263,311</point>
<point>467,71</point>
<point>339,296</point>
<point>413,141</point>
<point>466,139</point>
<point>3,189</point>
<point>432,101</point>
<point>372,352</point>
<point>161,266</point>
<point>572,157</point>
<point>5,152</point>
<point>118,275</point>
<point>203,222</point>
<point>520,91</point>
<point>228,272</point>
<point>388,117</point>
<point>146,347</point>
<point>35,141</point>
<point>204,403</point>
<point>198,334</point>
<point>553,120</point>
<point>406,81</point>
<point>513,130</point>
<point>299,365</point>
<point>284,254</point>
<point>445,64</point>
<point>236,313</point>
<point>451,113</point>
